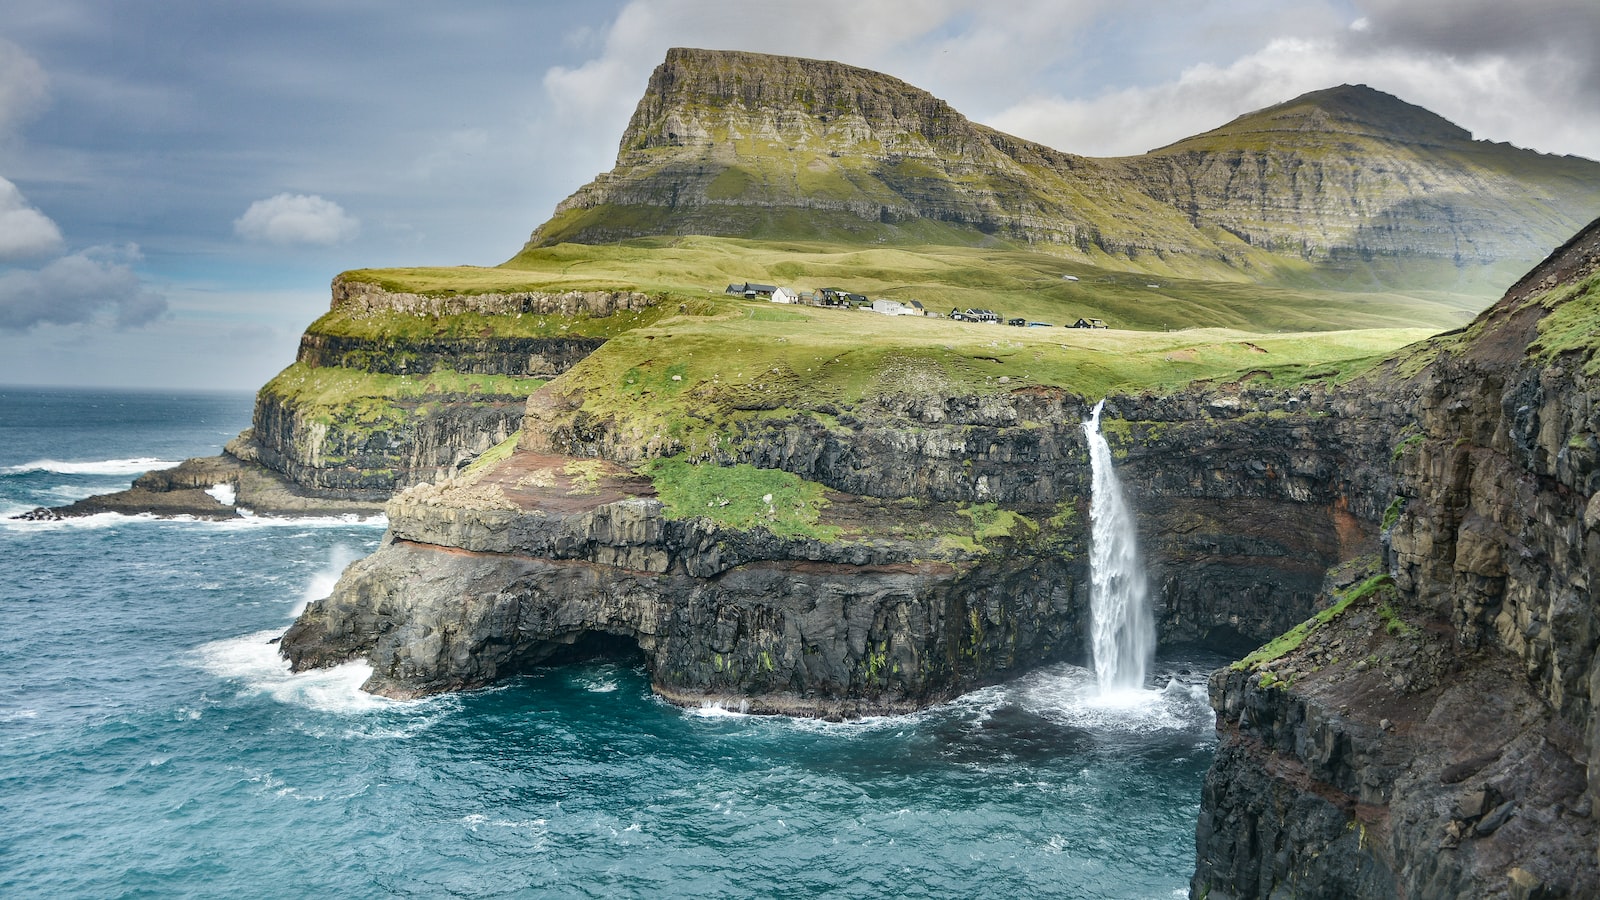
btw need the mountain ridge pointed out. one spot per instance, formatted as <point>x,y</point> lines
<point>743,144</point>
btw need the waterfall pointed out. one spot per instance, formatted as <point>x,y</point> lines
<point>1121,628</point>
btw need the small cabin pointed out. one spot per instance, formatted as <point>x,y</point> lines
<point>784,295</point>
<point>1089,323</point>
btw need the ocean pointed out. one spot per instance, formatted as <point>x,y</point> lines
<point>152,743</point>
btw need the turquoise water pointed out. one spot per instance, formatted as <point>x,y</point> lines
<point>152,744</point>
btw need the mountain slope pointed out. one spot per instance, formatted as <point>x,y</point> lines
<point>740,144</point>
<point>774,147</point>
<point>1354,171</point>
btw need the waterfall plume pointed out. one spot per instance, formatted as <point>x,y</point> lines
<point>1122,630</point>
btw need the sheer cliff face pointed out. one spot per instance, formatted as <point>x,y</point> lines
<point>751,145</point>
<point>1441,739</point>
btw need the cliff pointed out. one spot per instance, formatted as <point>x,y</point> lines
<point>905,538</point>
<point>1438,738</point>
<point>414,372</point>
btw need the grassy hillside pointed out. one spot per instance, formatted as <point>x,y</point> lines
<point>677,385</point>
<point>1014,281</point>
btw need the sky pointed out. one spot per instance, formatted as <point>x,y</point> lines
<point>180,180</point>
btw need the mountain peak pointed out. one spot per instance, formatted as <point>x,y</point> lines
<point>784,148</point>
<point>1346,110</point>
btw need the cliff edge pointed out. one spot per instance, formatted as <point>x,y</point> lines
<point>1436,736</point>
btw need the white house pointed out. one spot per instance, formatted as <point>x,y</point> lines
<point>784,295</point>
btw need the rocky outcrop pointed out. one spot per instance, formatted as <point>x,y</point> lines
<point>190,489</point>
<point>1441,742</point>
<point>517,565</point>
<point>371,452</point>
<point>390,389</point>
<point>374,402</point>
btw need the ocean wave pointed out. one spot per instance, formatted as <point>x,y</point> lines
<point>247,520</point>
<point>254,660</point>
<point>135,466</point>
<point>322,582</point>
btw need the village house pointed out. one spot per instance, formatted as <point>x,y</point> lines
<point>750,290</point>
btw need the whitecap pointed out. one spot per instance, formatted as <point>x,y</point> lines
<point>135,466</point>
<point>98,520</point>
<point>244,521</point>
<point>254,661</point>
<point>714,709</point>
<point>247,520</point>
<point>223,493</point>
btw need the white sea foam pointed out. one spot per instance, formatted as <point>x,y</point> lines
<point>98,520</point>
<point>715,710</point>
<point>8,509</point>
<point>68,492</point>
<point>255,662</point>
<point>136,466</point>
<point>321,583</point>
<point>1072,695</point>
<point>224,493</point>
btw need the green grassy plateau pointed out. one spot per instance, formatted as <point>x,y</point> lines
<point>1013,280</point>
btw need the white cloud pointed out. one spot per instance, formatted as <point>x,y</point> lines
<point>25,232</point>
<point>78,288</point>
<point>23,85</point>
<point>1490,95</point>
<point>296,219</point>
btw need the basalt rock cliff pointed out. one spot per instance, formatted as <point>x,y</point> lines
<point>1439,738</point>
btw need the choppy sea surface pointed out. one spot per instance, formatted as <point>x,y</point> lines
<point>152,744</point>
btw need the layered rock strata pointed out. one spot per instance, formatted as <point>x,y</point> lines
<point>514,566</point>
<point>1442,742</point>
<point>355,418</point>
<point>1249,511</point>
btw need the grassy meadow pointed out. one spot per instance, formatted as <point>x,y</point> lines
<point>1146,295</point>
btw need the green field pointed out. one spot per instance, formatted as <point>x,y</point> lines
<point>1011,280</point>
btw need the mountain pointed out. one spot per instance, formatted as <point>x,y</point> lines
<point>1354,171</point>
<point>764,147</point>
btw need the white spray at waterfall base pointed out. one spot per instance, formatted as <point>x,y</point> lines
<point>1122,631</point>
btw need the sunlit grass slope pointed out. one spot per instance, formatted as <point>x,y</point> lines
<point>1014,281</point>
<point>674,386</point>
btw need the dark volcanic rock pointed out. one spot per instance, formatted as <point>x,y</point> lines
<point>182,491</point>
<point>487,576</point>
<point>1442,742</point>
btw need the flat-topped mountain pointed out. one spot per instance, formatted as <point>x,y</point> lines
<point>741,144</point>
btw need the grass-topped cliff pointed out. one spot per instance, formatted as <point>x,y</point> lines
<point>739,167</point>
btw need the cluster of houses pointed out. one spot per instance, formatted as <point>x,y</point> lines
<point>846,300</point>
